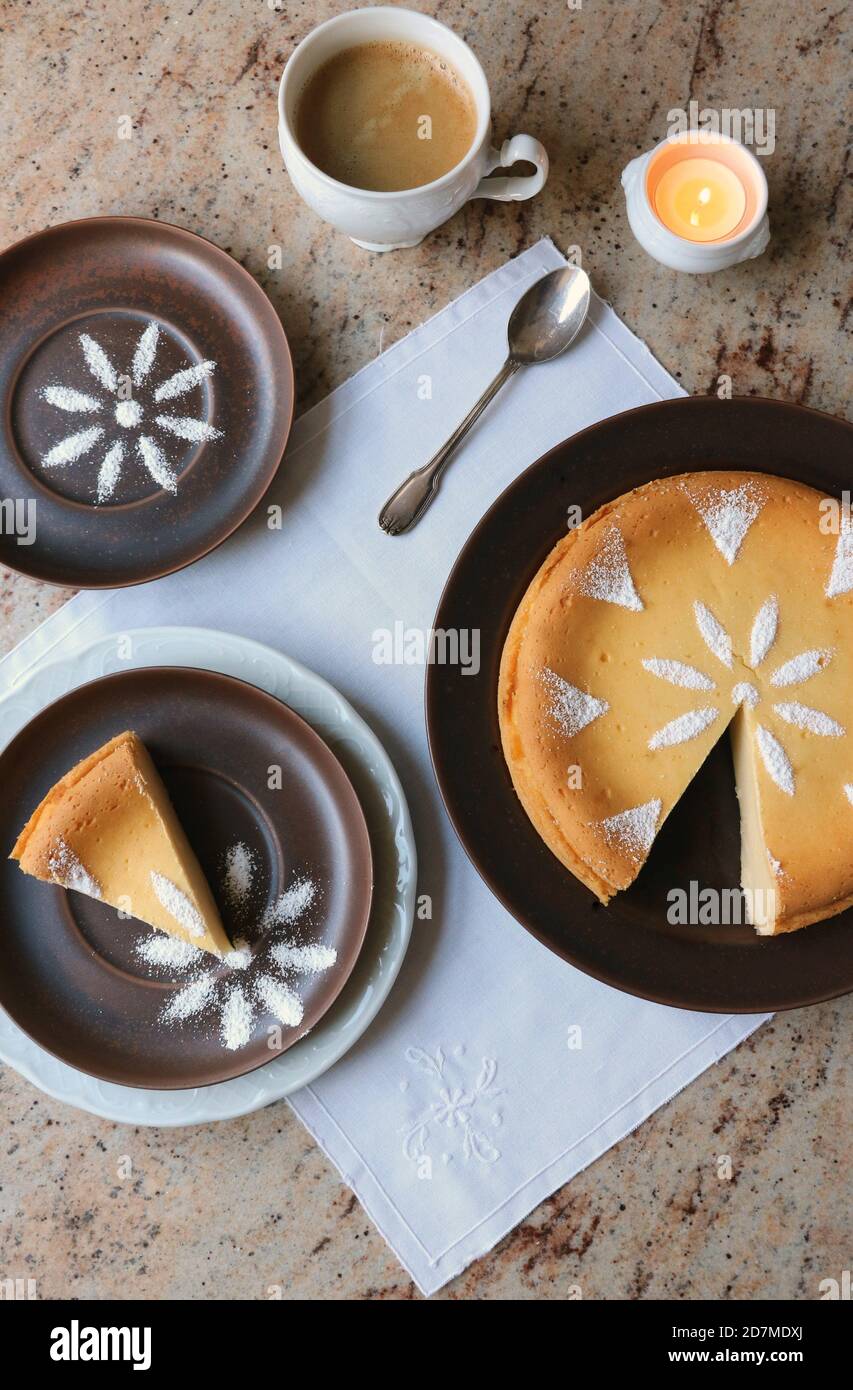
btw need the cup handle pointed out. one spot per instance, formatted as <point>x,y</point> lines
<point>515,189</point>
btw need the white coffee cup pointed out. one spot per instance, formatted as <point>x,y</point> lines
<point>390,221</point>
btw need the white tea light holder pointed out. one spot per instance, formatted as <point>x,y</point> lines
<point>746,240</point>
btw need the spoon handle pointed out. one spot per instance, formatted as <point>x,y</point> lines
<point>408,504</point>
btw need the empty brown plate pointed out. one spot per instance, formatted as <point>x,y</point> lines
<point>629,944</point>
<point>147,396</point>
<point>241,768</point>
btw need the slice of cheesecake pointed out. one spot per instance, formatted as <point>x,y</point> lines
<point>789,877</point>
<point>108,829</point>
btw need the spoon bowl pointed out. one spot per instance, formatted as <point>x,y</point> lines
<point>549,316</point>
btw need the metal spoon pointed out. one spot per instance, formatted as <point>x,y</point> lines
<point>544,321</point>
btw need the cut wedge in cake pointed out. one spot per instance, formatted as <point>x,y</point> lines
<point>109,830</point>
<point>694,605</point>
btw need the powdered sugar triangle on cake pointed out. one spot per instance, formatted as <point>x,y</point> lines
<point>841,577</point>
<point>634,830</point>
<point>728,515</point>
<point>608,576</point>
<point>570,709</point>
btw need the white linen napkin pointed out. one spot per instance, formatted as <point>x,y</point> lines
<point>468,1101</point>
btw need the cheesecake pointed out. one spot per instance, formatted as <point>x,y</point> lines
<point>695,606</point>
<point>109,830</point>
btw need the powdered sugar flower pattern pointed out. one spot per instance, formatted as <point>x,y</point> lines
<point>256,977</point>
<point>133,416</point>
<point>789,674</point>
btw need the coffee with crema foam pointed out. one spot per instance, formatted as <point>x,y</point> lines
<point>386,116</point>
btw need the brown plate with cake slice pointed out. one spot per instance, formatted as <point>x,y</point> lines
<point>654,768</point>
<point>197,878</point>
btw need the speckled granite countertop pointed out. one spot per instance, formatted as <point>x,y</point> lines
<point>650,1219</point>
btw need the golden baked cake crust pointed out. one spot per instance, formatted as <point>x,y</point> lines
<point>687,606</point>
<point>108,829</point>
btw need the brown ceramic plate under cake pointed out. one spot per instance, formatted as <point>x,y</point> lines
<point>636,942</point>
<point>147,395</point>
<point>282,841</point>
